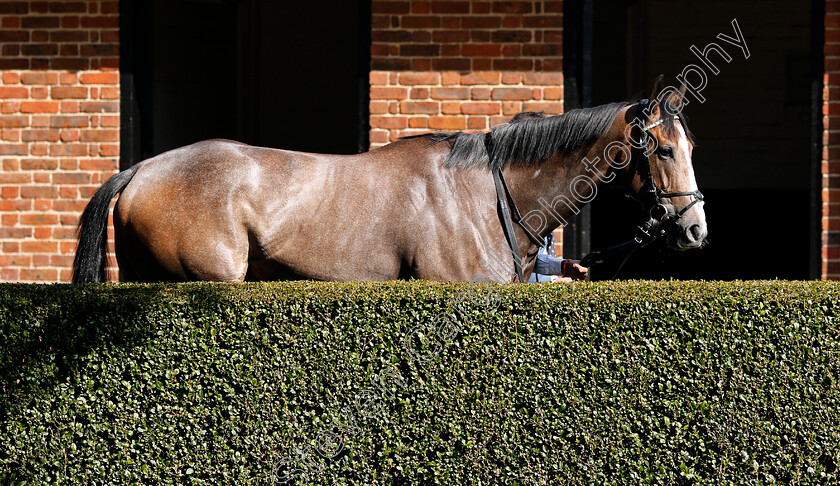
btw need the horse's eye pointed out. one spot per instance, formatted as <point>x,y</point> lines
<point>666,153</point>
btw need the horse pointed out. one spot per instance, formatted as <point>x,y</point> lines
<point>422,207</point>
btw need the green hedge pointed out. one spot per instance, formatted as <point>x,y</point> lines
<point>421,383</point>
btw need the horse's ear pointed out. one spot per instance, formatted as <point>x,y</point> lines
<point>658,86</point>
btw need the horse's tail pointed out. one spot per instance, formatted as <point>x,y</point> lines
<point>89,264</point>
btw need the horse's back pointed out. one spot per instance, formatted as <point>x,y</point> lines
<point>221,210</point>
<point>180,218</point>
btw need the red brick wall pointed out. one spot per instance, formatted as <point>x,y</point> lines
<point>59,128</point>
<point>831,145</point>
<point>462,65</point>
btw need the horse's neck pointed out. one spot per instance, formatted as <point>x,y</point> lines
<point>554,191</point>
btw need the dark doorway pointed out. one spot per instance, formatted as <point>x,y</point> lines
<point>753,159</point>
<point>289,75</point>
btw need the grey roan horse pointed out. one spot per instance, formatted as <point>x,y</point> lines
<point>423,207</point>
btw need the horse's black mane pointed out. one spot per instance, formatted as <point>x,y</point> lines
<point>531,138</point>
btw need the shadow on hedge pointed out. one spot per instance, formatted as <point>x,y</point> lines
<point>47,331</point>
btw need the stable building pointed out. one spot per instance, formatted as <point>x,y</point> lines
<point>88,88</point>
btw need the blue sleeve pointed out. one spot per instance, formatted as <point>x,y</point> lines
<point>548,265</point>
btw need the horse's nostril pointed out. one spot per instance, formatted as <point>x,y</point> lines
<point>695,233</point>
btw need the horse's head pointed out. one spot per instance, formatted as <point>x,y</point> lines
<point>663,179</point>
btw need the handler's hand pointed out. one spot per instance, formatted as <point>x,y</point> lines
<point>576,271</point>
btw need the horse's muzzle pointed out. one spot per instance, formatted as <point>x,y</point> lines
<point>687,237</point>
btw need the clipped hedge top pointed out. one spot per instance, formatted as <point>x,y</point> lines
<point>420,383</point>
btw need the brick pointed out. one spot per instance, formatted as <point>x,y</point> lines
<point>68,7</point>
<point>513,64</point>
<point>447,122</point>
<point>418,122</point>
<point>481,22</point>
<point>106,22</point>
<point>100,106</point>
<point>477,123</point>
<point>47,135</point>
<point>449,78</point>
<point>481,78</point>
<point>447,36</point>
<point>38,164</point>
<point>378,93</point>
<point>110,7</point>
<point>70,121</point>
<point>449,64</point>
<point>39,78</point>
<point>39,274</point>
<point>541,50</point>
<point>39,192</point>
<point>512,7</point>
<point>38,219</point>
<point>511,107</point>
<point>378,136</point>
<point>10,106</point>
<point>71,178</point>
<point>512,94</point>
<point>388,122</point>
<point>14,92</point>
<point>450,7</point>
<point>478,36</point>
<point>450,93</point>
<point>39,22</point>
<point>553,93</point>
<point>100,135</point>
<point>450,107</point>
<point>378,78</point>
<point>109,93</point>
<point>109,149</point>
<point>388,7</point>
<point>16,233</point>
<point>425,107</point>
<point>391,36</point>
<point>481,50</point>
<point>13,149</point>
<point>68,150</point>
<point>14,260</point>
<point>512,50</point>
<point>70,63</point>
<point>547,107</point>
<point>14,7</point>
<point>419,93</point>
<point>31,50</point>
<point>39,107</point>
<point>10,135</point>
<point>480,108</point>
<point>511,36</point>
<point>511,78</point>
<point>38,92</point>
<point>12,121</point>
<point>543,21</point>
<point>15,204</point>
<point>480,93</point>
<point>62,92</point>
<point>413,50</point>
<point>99,78</point>
<point>11,78</point>
<point>413,78</point>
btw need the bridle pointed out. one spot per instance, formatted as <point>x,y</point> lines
<point>658,218</point>
<point>646,232</point>
<point>656,210</point>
